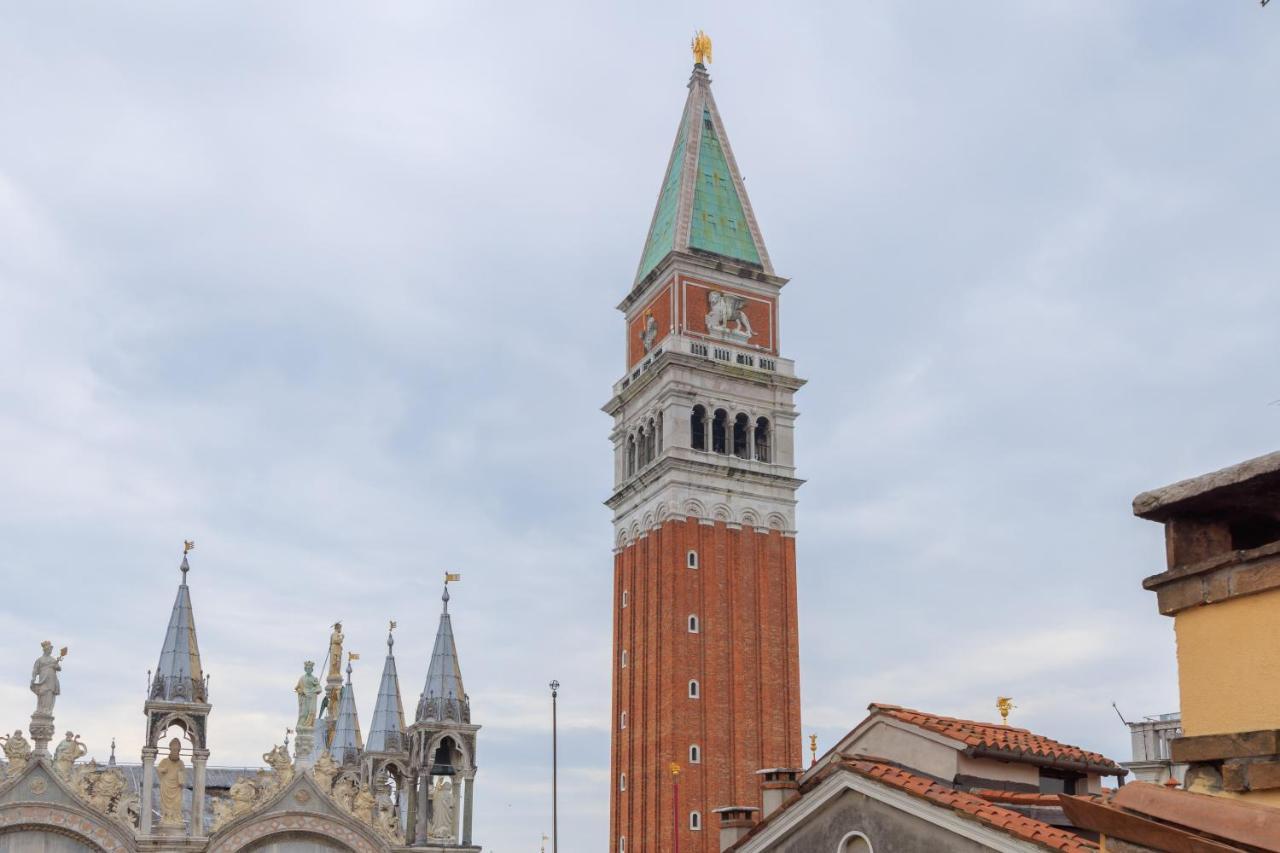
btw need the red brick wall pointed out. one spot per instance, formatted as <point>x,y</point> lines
<point>745,657</point>
<point>662,307</point>
<point>760,311</point>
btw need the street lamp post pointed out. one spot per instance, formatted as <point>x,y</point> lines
<point>555,798</point>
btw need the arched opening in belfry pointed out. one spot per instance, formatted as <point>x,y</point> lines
<point>658,433</point>
<point>651,447</point>
<point>741,447</point>
<point>698,428</point>
<point>763,450</point>
<point>631,455</point>
<point>719,431</point>
<point>641,458</point>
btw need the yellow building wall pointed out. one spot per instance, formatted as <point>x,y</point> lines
<point>1229,665</point>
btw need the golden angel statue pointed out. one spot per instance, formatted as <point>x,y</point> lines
<point>701,47</point>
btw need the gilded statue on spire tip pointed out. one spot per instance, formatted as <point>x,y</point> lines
<point>701,47</point>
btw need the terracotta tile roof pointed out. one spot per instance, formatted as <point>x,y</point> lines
<point>970,805</point>
<point>1009,740</point>
<point>1017,798</point>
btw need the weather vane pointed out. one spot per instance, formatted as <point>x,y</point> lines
<point>701,47</point>
<point>1004,704</point>
<point>452,577</point>
<point>187,546</point>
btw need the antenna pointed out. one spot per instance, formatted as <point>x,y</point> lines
<point>1113,704</point>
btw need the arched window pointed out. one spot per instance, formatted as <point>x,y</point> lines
<point>762,439</point>
<point>658,433</point>
<point>626,598</point>
<point>631,455</point>
<point>641,444</point>
<point>622,844</point>
<point>691,560</point>
<point>854,842</point>
<point>693,624</point>
<point>693,688</point>
<point>695,821</point>
<point>741,447</point>
<point>651,445</point>
<point>622,720</point>
<point>698,428</point>
<point>719,431</point>
<point>695,755</point>
<point>624,658</point>
<point>622,782</point>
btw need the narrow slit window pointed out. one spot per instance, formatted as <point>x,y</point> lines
<point>692,560</point>
<point>693,688</point>
<point>695,821</point>
<point>622,720</point>
<point>695,754</point>
<point>693,624</point>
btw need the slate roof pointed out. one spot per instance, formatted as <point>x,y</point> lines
<point>386,731</point>
<point>179,676</point>
<point>702,205</point>
<point>1011,741</point>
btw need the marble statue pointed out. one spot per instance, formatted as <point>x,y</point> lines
<point>281,764</point>
<point>67,754</point>
<point>243,796</point>
<point>223,808</point>
<point>335,651</point>
<point>171,773</point>
<point>17,749</point>
<point>345,793</point>
<point>308,689</point>
<point>363,804</point>
<point>44,679</point>
<point>441,826</point>
<point>386,821</point>
<point>725,309</point>
<point>324,770</point>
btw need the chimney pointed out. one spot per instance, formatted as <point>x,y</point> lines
<point>735,822</point>
<point>777,784</point>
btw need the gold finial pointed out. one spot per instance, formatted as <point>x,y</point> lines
<point>813,747</point>
<point>352,656</point>
<point>701,47</point>
<point>187,545</point>
<point>391,626</point>
<point>675,770</point>
<point>1004,704</point>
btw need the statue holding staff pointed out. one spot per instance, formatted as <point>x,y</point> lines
<point>44,678</point>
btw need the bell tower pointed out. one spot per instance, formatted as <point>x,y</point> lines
<point>706,659</point>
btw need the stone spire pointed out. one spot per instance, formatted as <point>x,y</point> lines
<point>703,206</point>
<point>179,676</point>
<point>387,731</point>
<point>443,697</point>
<point>347,743</point>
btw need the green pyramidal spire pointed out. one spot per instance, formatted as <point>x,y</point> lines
<point>703,205</point>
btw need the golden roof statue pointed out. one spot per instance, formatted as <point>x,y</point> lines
<point>701,48</point>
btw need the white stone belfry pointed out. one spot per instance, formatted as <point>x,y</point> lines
<point>442,752</point>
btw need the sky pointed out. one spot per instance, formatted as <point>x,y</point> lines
<point>330,289</point>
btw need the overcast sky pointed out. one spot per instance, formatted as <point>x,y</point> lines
<point>330,289</point>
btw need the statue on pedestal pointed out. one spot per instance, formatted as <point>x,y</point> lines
<point>441,826</point>
<point>308,689</point>
<point>67,754</point>
<point>18,750</point>
<point>172,775</point>
<point>335,652</point>
<point>44,679</point>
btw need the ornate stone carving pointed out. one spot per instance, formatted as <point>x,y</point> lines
<point>38,786</point>
<point>649,333</point>
<point>324,771</point>
<point>17,749</point>
<point>106,792</point>
<point>281,767</point>
<point>67,754</point>
<point>727,316</point>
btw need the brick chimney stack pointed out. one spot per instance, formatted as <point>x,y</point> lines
<point>777,784</point>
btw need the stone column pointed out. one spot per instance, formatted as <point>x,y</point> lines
<point>199,758</point>
<point>304,747</point>
<point>466,814</point>
<point>148,781</point>
<point>420,826</point>
<point>42,731</point>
